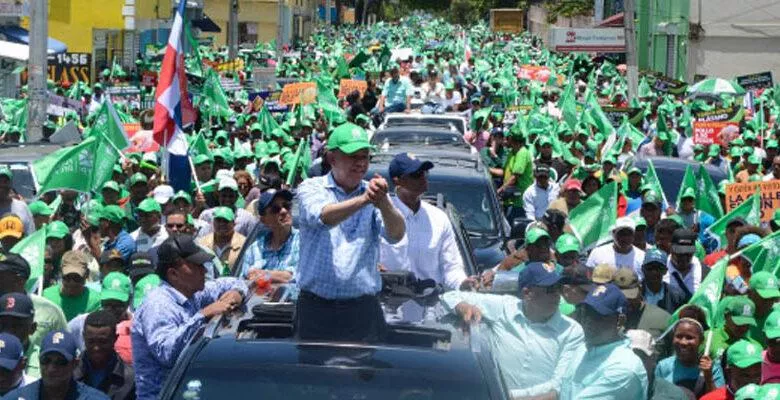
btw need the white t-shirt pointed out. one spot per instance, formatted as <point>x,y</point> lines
<point>606,254</point>
<point>433,94</point>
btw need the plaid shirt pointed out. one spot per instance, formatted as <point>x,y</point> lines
<point>338,262</point>
<point>259,256</point>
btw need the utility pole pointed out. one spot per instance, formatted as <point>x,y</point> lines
<point>233,30</point>
<point>632,72</point>
<point>280,31</point>
<point>36,65</point>
<point>327,12</point>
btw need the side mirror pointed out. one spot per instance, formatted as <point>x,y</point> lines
<point>517,230</point>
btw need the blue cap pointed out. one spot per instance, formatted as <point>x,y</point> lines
<point>11,351</point>
<point>747,240</point>
<point>61,342</point>
<point>407,163</point>
<point>607,300</point>
<point>538,274</point>
<point>267,197</point>
<point>16,305</point>
<point>655,255</point>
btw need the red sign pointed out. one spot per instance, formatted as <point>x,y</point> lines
<point>141,141</point>
<point>537,73</point>
<point>149,79</point>
<point>714,132</point>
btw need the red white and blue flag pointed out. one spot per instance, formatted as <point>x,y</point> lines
<point>172,106</point>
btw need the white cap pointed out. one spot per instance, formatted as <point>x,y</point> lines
<point>228,183</point>
<point>163,193</point>
<point>223,174</point>
<point>624,223</point>
<point>150,157</point>
<point>641,340</point>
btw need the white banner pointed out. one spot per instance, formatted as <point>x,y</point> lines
<point>592,40</point>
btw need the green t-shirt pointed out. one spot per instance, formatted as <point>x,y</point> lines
<point>519,163</point>
<point>88,301</point>
<point>48,317</point>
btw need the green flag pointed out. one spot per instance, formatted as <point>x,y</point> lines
<point>68,168</point>
<point>31,249</point>
<point>764,254</point>
<point>709,292</point>
<point>750,210</point>
<point>597,114</point>
<point>651,178</point>
<point>108,124</point>
<point>594,218</point>
<point>266,121</point>
<point>688,181</point>
<point>199,145</point>
<point>568,106</point>
<point>213,91</point>
<point>708,199</point>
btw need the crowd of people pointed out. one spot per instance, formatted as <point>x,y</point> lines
<point>673,299</point>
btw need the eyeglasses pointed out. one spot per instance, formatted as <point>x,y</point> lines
<point>275,208</point>
<point>418,174</point>
<point>57,361</point>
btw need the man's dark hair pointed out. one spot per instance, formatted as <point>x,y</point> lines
<point>666,225</point>
<point>101,319</point>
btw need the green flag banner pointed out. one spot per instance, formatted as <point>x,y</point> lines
<point>750,210</point>
<point>594,218</point>
<point>708,199</point>
<point>31,249</point>
<point>708,294</point>
<point>82,168</point>
<point>763,255</point>
<point>651,178</point>
<point>688,181</point>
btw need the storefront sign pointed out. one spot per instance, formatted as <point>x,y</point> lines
<point>600,40</point>
<point>70,67</point>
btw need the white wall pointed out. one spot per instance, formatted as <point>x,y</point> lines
<point>739,37</point>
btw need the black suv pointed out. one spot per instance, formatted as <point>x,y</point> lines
<point>465,183</point>
<point>254,354</point>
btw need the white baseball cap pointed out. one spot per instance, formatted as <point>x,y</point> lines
<point>624,223</point>
<point>163,193</point>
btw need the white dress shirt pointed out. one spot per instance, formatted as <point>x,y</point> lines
<point>691,280</point>
<point>536,200</point>
<point>606,254</point>
<point>428,249</point>
<point>144,243</point>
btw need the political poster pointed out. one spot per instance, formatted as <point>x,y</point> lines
<point>538,73</point>
<point>347,86</point>
<point>753,82</point>
<point>67,67</point>
<point>714,132</point>
<point>615,115</point>
<point>141,141</point>
<point>663,83</point>
<point>733,114</point>
<point>268,98</point>
<point>299,93</point>
<point>736,193</point>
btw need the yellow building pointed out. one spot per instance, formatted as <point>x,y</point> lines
<point>258,20</point>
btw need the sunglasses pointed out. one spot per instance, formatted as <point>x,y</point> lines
<point>74,278</point>
<point>418,174</point>
<point>178,226</point>
<point>276,209</point>
<point>57,361</point>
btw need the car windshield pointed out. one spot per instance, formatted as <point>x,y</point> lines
<point>471,199</point>
<point>316,382</point>
<point>427,121</point>
<point>418,138</point>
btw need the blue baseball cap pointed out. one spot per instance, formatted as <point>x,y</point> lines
<point>16,305</point>
<point>61,342</point>
<point>606,300</point>
<point>11,351</point>
<point>747,240</point>
<point>538,274</point>
<point>267,197</point>
<point>407,163</point>
<point>655,256</point>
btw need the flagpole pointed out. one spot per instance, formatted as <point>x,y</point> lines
<point>194,174</point>
<point>121,156</point>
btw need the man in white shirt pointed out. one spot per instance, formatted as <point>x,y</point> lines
<point>428,249</point>
<point>621,252</point>
<point>775,173</point>
<point>151,234</point>
<point>537,198</point>
<point>433,94</point>
<point>452,97</point>
<point>97,98</point>
<point>683,269</point>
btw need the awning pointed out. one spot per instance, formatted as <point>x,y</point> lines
<point>17,34</point>
<point>206,24</point>
<point>615,21</point>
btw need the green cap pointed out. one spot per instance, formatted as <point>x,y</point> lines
<point>772,324</point>
<point>688,193</point>
<point>743,354</point>
<point>740,308</point>
<point>255,127</point>
<point>634,170</point>
<point>714,150</point>
<point>143,287</point>
<point>116,286</point>
<point>111,185</point>
<point>38,207</point>
<point>149,205</point>
<point>4,170</point>
<point>138,178</point>
<point>201,158</point>
<point>566,243</point>
<point>765,283</point>
<point>113,213</point>
<point>735,151</point>
<point>544,140</point>
<point>749,391</point>
<point>754,159</point>
<point>771,144</point>
<point>224,213</point>
<point>641,222</point>
<point>349,138</point>
<point>182,195</point>
<point>57,230</point>
<point>769,391</point>
<point>534,234</point>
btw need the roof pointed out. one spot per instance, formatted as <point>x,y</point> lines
<point>24,153</point>
<point>615,21</point>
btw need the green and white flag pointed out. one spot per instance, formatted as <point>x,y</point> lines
<point>593,219</point>
<point>109,125</point>
<point>764,254</point>
<point>688,181</point>
<point>651,178</point>
<point>708,199</point>
<point>708,294</point>
<point>750,210</point>
<point>31,249</point>
<point>82,168</point>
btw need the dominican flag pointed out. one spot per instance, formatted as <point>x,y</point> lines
<point>466,47</point>
<point>172,107</point>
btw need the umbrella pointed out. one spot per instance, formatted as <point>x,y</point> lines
<point>716,86</point>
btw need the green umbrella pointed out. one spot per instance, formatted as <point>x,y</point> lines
<point>716,86</point>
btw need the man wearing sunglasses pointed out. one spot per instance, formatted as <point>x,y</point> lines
<point>59,358</point>
<point>72,295</point>
<point>174,311</point>
<point>342,219</point>
<point>429,249</point>
<point>277,250</point>
<point>532,324</point>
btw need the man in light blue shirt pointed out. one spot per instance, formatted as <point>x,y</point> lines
<point>172,313</point>
<point>341,219</point>
<point>396,93</point>
<point>610,370</point>
<point>534,345</point>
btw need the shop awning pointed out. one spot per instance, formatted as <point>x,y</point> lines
<point>206,24</point>
<point>17,34</point>
<point>615,21</point>
<point>14,51</point>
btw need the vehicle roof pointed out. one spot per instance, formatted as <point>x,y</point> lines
<point>452,116</point>
<point>451,163</point>
<point>26,152</point>
<point>419,129</point>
